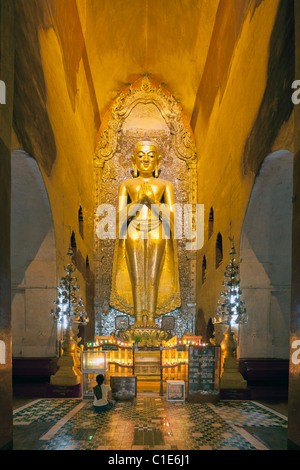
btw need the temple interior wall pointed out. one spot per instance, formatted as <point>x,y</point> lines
<point>239,108</point>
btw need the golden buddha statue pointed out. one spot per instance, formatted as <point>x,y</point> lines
<point>145,272</point>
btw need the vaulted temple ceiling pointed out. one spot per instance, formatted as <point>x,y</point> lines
<point>187,45</point>
<point>168,39</point>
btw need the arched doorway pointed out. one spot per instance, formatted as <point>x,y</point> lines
<point>33,261</point>
<point>265,267</point>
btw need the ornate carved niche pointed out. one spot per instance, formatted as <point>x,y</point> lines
<point>144,109</point>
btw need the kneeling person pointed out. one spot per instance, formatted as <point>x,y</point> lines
<point>102,395</point>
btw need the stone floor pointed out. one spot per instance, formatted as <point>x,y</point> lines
<point>149,422</point>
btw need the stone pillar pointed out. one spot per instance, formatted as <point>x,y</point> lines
<point>7,76</point>
<point>294,377</point>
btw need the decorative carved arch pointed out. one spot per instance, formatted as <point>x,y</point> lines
<point>145,90</point>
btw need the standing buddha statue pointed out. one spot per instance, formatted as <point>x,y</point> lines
<point>145,272</point>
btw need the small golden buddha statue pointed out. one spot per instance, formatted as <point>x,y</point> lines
<point>145,273</point>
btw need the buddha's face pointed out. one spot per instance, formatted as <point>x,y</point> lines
<point>146,158</point>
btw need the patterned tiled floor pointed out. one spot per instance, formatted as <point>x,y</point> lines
<point>148,423</point>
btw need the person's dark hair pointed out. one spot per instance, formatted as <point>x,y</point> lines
<point>97,389</point>
<point>100,379</point>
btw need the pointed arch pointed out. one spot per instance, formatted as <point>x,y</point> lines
<point>219,250</point>
<point>210,223</point>
<point>203,269</point>
<point>123,124</point>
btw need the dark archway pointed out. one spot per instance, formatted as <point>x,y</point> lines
<point>33,261</point>
<point>265,267</point>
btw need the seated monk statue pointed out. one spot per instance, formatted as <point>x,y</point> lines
<point>145,273</point>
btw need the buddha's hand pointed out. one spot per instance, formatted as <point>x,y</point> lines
<point>146,195</point>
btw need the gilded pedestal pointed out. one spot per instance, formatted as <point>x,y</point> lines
<point>147,370</point>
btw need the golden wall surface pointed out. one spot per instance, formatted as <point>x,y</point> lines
<point>223,119</point>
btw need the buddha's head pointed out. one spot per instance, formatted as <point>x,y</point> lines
<point>146,159</point>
